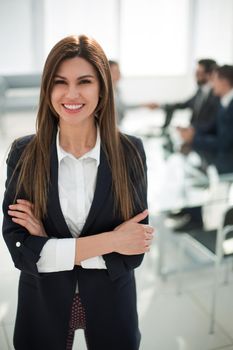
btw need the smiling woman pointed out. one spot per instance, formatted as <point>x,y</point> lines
<point>75,94</point>
<point>75,217</point>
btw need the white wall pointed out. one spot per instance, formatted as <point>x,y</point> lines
<point>211,35</point>
<point>151,35</point>
<point>97,18</point>
<point>214,30</point>
<point>15,37</point>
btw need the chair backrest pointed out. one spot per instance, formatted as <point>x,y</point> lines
<point>228,219</point>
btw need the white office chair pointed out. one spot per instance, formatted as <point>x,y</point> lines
<point>217,245</point>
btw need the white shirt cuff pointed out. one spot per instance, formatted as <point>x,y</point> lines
<point>57,255</point>
<point>94,263</point>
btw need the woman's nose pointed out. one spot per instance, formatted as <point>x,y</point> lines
<point>73,91</point>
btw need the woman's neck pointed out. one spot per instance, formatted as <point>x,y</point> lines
<point>77,140</point>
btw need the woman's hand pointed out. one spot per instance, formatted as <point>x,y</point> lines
<point>132,237</point>
<point>22,214</point>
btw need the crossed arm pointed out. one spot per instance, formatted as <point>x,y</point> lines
<point>129,238</point>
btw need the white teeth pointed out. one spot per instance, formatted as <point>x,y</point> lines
<point>73,106</point>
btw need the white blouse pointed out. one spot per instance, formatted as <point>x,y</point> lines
<point>76,184</point>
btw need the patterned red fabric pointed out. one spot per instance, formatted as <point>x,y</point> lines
<point>77,320</point>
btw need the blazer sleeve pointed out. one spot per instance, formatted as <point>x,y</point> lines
<point>225,126</point>
<point>206,140</point>
<point>118,264</point>
<point>221,140</point>
<point>180,105</point>
<point>23,247</point>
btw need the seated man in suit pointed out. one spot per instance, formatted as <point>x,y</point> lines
<point>215,142</point>
<point>203,103</point>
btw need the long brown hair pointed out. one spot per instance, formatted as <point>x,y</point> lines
<point>34,175</point>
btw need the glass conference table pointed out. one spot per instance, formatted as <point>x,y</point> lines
<point>205,191</point>
<point>175,181</point>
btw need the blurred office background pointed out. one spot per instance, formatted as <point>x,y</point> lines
<point>157,43</point>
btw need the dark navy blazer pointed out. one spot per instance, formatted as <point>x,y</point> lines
<point>45,299</point>
<point>200,119</point>
<point>216,143</point>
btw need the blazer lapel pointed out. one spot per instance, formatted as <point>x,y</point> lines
<point>103,187</point>
<point>54,208</point>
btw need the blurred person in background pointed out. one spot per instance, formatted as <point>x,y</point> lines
<point>214,143</point>
<point>75,217</point>
<point>203,103</point>
<point>121,106</point>
<point>204,106</point>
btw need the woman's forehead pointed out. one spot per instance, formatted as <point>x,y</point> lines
<point>77,65</point>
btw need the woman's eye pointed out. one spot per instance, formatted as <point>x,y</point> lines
<point>59,82</point>
<point>85,81</point>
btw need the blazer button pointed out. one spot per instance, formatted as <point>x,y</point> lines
<point>18,244</point>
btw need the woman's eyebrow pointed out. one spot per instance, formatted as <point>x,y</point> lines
<point>59,76</point>
<point>86,76</point>
<point>81,76</point>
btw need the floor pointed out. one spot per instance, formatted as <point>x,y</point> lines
<point>168,320</point>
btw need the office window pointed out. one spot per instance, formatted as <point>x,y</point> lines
<point>95,18</point>
<point>154,37</point>
<point>148,37</point>
<point>215,39</point>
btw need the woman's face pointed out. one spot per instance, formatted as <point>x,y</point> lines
<point>75,92</point>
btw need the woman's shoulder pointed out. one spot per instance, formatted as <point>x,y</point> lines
<point>22,142</point>
<point>133,147</point>
<point>17,148</point>
<point>132,140</point>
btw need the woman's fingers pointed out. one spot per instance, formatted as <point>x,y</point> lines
<point>19,214</point>
<point>21,207</point>
<point>136,219</point>
<point>23,218</point>
<point>25,202</point>
<point>139,217</point>
<point>32,225</point>
<point>149,236</point>
<point>25,223</point>
<point>148,228</point>
<point>24,206</point>
<point>22,214</point>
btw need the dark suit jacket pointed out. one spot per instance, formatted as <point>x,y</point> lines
<point>216,143</point>
<point>203,118</point>
<point>45,299</point>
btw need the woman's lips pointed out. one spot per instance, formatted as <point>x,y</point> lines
<point>73,107</point>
